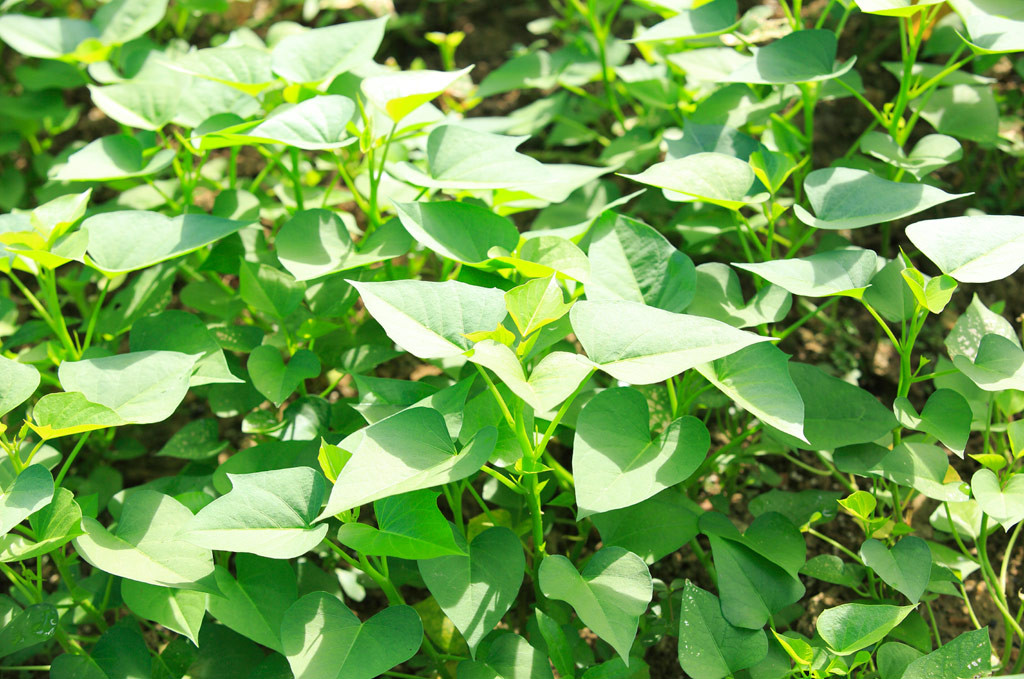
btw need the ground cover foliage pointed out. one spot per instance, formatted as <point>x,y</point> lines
<point>319,363</point>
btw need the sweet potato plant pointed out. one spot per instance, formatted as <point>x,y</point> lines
<point>320,361</point>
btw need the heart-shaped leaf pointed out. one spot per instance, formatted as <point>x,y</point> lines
<point>476,590</point>
<point>409,526</point>
<point>639,344</point>
<point>129,240</point>
<point>66,413</point>
<point>846,271</point>
<point>609,595</point>
<point>836,195</point>
<point>324,53</point>
<point>407,451</point>
<point>921,466</point>
<point>181,610</point>
<point>140,387</point>
<point>399,94</point>
<point>118,156</point>
<point>712,177</point>
<point>268,289</point>
<point>53,525</point>
<point>180,331</point>
<point>508,657</point>
<point>147,545</point>
<point>907,567</point>
<point>757,378</point>
<point>460,231</point>
<point>50,38</point>
<point>323,639</point>
<point>315,124</point>
<point>720,297</point>
<point>254,601</point>
<point>551,381</point>
<point>20,382</point>
<point>1003,502</point>
<point>709,19</point>
<point>631,260</point>
<point>30,491</point>
<point>535,304</point>
<point>946,416</point>
<point>975,249</point>
<point>709,647</point>
<point>801,56</point>
<point>758,570</point>
<point>266,513</point>
<point>651,529</point>
<point>240,66</point>
<point>278,381</point>
<point>968,655</point>
<point>431,320</point>
<point>146,104</point>
<point>851,627</point>
<point>313,243</point>
<point>616,463</point>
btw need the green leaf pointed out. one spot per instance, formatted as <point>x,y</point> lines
<point>836,194</point>
<point>642,345</point>
<point>240,66</point>
<point>832,569</point>
<point>322,639</point>
<point>407,451</point>
<point>266,513</point>
<point>709,19</point>
<point>929,154</point>
<point>181,610</point>
<point>975,249</point>
<point>719,296</point>
<point>962,111</point>
<point>477,589</point>
<point>50,38</point>
<point>709,647</point>
<point>146,104</point>
<point>322,54</point>
<point>758,570</point>
<point>180,331</point>
<point>551,381</point>
<point>973,325</point>
<point>118,156</point>
<point>557,643</point>
<point>966,656</point>
<point>254,601</point>
<point>801,56</point>
<point>269,290</point>
<point>609,595</point>
<point>509,656</point>
<point>313,243</point>
<point>757,378</point>
<point>851,627</point>
<point>535,304</point>
<point>31,491</point>
<point>141,387</point>
<point>53,525</point>
<point>431,320</point>
<point>1004,502</point>
<point>66,413</point>
<point>651,529</point>
<point>921,466</point>
<point>20,382</point>
<point>836,413</point>
<point>907,567</point>
<point>543,256</point>
<point>197,440</point>
<point>34,625</point>
<point>895,8</point>
<point>273,378</point>
<point>314,125</point>
<point>409,526</point>
<point>616,463</point>
<point>632,261</point>
<point>147,544</point>
<point>460,231</point>
<point>130,240</point>
<point>845,271</point>
<point>121,21</point>
<point>399,94</point>
<point>716,178</point>
<point>993,34</point>
<point>459,157</point>
<point>946,416</point>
